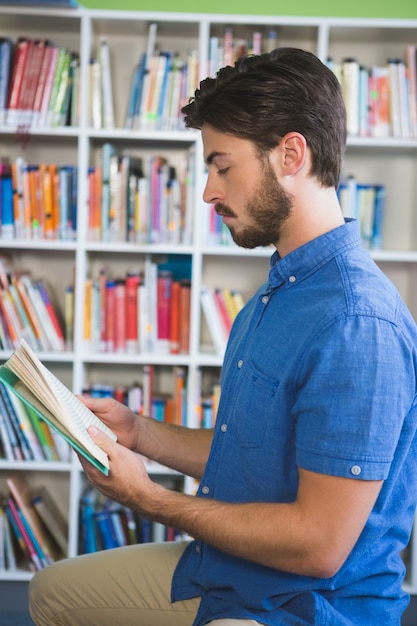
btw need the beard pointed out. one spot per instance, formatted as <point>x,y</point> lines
<point>268,208</point>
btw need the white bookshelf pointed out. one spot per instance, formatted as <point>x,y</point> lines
<point>391,161</point>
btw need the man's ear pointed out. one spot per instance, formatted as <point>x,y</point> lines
<point>293,151</point>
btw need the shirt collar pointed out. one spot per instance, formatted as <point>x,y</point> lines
<point>308,258</point>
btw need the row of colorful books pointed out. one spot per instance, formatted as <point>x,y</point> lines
<point>381,101</point>
<point>37,201</point>
<point>27,311</point>
<point>168,405</point>
<point>24,436</point>
<point>33,530</point>
<point>144,312</point>
<point>162,83</point>
<point>140,200</point>
<point>220,307</point>
<point>365,203</point>
<point>39,84</point>
<point>227,49</point>
<point>106,524</point>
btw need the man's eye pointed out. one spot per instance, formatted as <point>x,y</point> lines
<point>223,171</point>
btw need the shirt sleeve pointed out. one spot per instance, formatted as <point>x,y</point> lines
<point>354,389</point>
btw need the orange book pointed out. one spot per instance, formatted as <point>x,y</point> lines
<point>179,398</point>
<point>48,202</point>
<point>94,203</point>
<point>174,332</point>
<point>30,311</point>
<point>169,412</point>
<point>27,203</point>
<point>185,311</point>
<point>97,204</point>
<point>34,201</point>
<point>5,310</point>
<point>55,197</point>
<point>88,288</point>
<point>91,204</point>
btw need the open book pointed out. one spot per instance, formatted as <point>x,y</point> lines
<point>37,387</point>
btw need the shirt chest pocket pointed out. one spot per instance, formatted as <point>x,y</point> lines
<point>253,405</point>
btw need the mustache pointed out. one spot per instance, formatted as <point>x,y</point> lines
<point>224,210</point>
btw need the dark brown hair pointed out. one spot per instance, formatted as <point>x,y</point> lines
<point>265,96</point>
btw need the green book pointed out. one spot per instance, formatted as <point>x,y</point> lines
<point>27,377</point>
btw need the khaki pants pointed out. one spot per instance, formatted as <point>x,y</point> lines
<point>129,586</point>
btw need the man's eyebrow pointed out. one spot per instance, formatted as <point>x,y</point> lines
<point>213,155</point>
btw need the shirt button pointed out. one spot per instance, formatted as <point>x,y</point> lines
<point>292,279</point>
<point>223,428</point>
<point>355,470</point>
<point>198,548</point>
<point>205,489</point>
<point>240,363</point>
<point>265,300</point>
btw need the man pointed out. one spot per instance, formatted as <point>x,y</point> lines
<point>308,483</point>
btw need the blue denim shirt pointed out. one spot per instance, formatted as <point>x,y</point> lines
<point>319,373</point>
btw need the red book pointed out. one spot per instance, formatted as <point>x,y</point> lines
<point>28,544</point>
<point>132,313</point>
<point>110,307</point>
<point>103,309</point>
<point>164,283</point>
<point>60,338</point>
<point>120,316</point>
<point>41,82</point>
<point>30,81</point>
<point>221,306</point>
<point>20,60</point>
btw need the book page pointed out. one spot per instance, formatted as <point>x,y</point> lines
<point>56,397</point>
<point>85,445</point>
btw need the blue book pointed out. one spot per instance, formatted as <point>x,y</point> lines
<point>140,79</point>
<point>73,194</point>
<point>6,46</point>
<point>89,539</point>
<point>106,529</point>
<point>164,93</point>
<point>6,206</point>
<point>138,73</point>
<point>379,211</point>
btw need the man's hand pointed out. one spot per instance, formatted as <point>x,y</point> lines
<point>128,481</point>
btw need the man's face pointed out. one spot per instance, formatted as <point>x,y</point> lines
<point>244,190</point>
